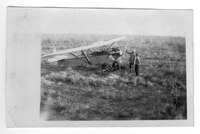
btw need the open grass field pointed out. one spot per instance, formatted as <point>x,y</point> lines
<point>84,93</point>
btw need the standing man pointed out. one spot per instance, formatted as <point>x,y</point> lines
<point>137,64</point>
<point>131,59</point>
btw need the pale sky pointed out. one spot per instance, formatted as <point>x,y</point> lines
<point>102,21</point>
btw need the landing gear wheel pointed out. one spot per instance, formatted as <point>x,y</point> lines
<point>106,68</point>
<point>115,66</point>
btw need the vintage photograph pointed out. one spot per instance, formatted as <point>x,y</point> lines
<point>99,67</point>
<point>113,77</point>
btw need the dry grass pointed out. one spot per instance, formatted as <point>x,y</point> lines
<point>77,93</point>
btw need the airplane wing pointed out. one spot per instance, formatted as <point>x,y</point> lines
<point>57,58</point>
<point>97,44</point>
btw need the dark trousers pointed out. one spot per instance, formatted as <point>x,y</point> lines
<point>131,65</point>
<point>137,70</point>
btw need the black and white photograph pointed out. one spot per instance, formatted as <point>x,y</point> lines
<point>113,76</point>
<point>99,67</point>
<point>108,77</point>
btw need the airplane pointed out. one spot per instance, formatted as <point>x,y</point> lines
<point>98,53</point>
